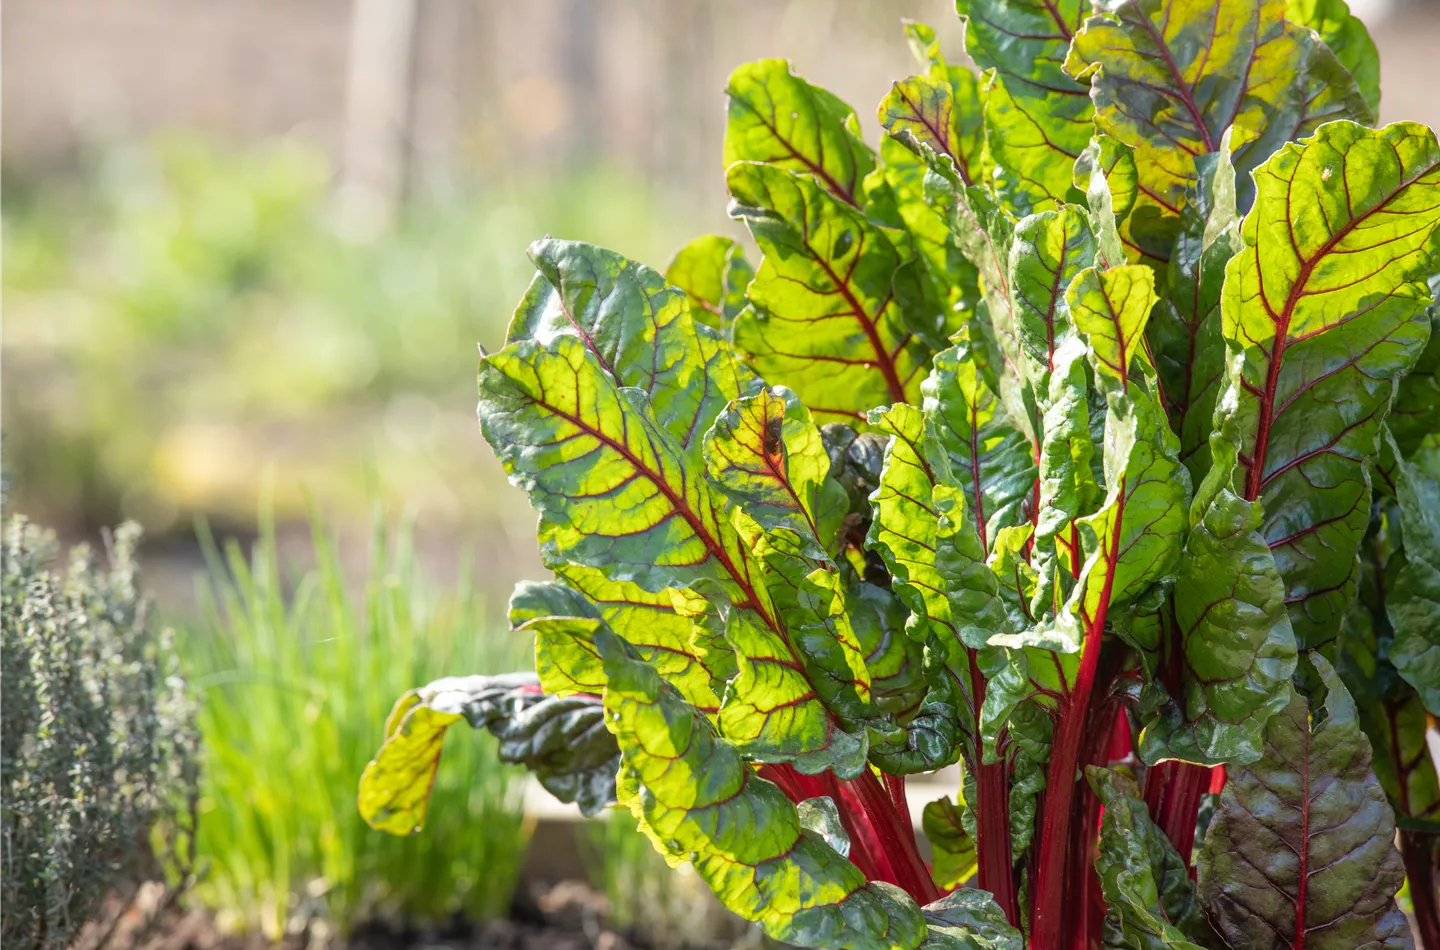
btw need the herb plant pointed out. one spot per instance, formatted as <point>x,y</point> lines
<point>1055,439</point>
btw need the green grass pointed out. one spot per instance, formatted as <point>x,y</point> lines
<point>297,675</point>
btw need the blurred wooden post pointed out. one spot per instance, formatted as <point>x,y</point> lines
<point>379,101</point>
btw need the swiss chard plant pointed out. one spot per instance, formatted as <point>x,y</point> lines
<point>1084,435</point>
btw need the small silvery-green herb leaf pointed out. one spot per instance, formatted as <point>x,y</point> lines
<point>1301,850</point>
<point>562,740</point>
<point>780,119</point>
<point>826,321</point>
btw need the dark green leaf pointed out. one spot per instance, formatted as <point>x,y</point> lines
<point>562,740</point>
<point>1413,603</point>
<point>1301,850</point>
<point>1145,881</point>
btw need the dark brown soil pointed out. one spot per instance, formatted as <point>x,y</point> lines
<point>565,916</point>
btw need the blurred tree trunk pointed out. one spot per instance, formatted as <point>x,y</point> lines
<point>378,111</point>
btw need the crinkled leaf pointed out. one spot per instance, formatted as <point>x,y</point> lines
<point>1068,487</point>
<point>658,625</point>
<point>778,118</point>
<point>705,803</point>
<point>1137,533</point>
<point>1145,881</point>
<point>1390,709</point>
<point>640,330</point>
<point>957,598</point>
<point>1037,118</point>
<point>1347,38</point>
<point>969,919</point>
<point>1415,415</point>
<point>894,660</point>
<point>822,817</point>
<point>1413,602</point>
<point>1322,310</point>
<point>612,486</point>
<point>713,272</point>
<point>953,851</point>
<point>562,740</point>
<point>940,109</point>
<point>1301,850</point>
<point>1106,173</point>
<point>764,454</point>
<point>1163,75</point>
<point>988,457</point>
<point>1184,333</point>
<point>1050,249</point>
<point>1236,647</point>
<point>826,321</point>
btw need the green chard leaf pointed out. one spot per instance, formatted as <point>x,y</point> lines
<point>713,272</point>
<point>1236,649</point>
<point>1413,600</point>
<point>639,329</point>
<point>941,110</point>
<point>1050,250</point>
<point>826,322</point>
<point>1416,412</point>
<point>1346,37</point>
<point>953,849</point>
<point>1301,849</point>
<point>563,618</point>
<point>969,919</point>
<point>1037,118</point>
<point>1184,333</point>
<point>1106,173</point>
<point>938,570</point>
<point>612,486</point>
<point>1391,711</point>
<point>765,456</point>
<point>988,458</point>
<point>1145,881</point>
<point>1163,78</point>
<point>1321,311</point>
<point>561,739</point>
<point>704,803</point>
<point>780,119</point>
